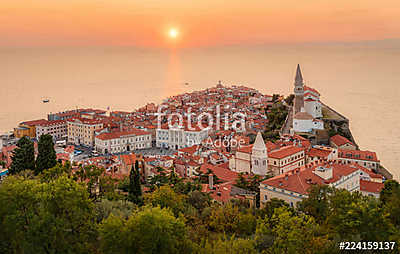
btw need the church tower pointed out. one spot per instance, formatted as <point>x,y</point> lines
<point>259,156</point>
<point>298,91</point>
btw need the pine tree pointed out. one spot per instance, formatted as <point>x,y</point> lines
<point>47,157</point>
<point>23,157</point>
<point>135,189</point>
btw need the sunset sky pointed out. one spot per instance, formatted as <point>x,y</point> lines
<point>200,22</point>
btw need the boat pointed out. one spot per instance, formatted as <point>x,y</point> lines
<point>46,101</point>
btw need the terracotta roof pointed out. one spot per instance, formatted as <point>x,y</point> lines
<point>370,186</point>
<point>340,140</point>
<point>358,155</point>
<point>35,122</point>
<point>222,173</point>
<point>285,152</point>
<point>119,134</point>
<point>315,152</point>
<point>300,180</point>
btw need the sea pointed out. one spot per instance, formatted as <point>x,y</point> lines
<point>359,80</point>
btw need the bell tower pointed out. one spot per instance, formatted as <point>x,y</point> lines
<point>298,91</point>
<point>259,156</point>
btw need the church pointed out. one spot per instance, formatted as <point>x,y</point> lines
<point>307,108</point>
<point>251,159</point>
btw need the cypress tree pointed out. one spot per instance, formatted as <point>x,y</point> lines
<point>23,157</point>
<point>135,190</point>
<point>47,157</point>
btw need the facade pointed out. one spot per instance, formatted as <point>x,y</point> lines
<point>293,186</point>
<point>81,131</point>
<point>366,159</point>
<point>57,129</point>
<point>122,141</point>
<point>285,159</point>
<point>178,137</point>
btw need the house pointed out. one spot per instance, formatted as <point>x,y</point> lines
<point>285,158</point>
<point>366,159</point>
<point>81,131</point>
<point>57,129</point>
<point>293,185</point>
<point>122,141</point>
<point>341,142</point>
<point>28,128</point>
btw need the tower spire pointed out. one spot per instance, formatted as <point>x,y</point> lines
<point>299,76</point>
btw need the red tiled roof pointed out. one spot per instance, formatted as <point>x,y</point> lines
<point>285,152</point>
<point>300,180</point>
<point>370,186</point>
<point>119,134</point>
<point>35,122</point>
<point>315,152</point>
<point>340,140</point>
<point>222,173</point>
<point>358,155</point>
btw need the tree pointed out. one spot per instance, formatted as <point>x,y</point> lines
<point>135,189</point>
<point>45,217</point>
<point>165,197</point>
<point>286,232</point>
<point>23,157</point>
<point>317,203</point>
<point>289,99</point>
<point>47,157</point>
<point>152,230</point>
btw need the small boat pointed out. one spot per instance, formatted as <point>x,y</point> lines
<point>186,84</point>
<point>46,101</point>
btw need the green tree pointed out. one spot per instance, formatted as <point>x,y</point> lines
<point>135,189</point>
<point>226,245</point>
<point>165,197</point>
<point>317,203</point>
<point>45,217</point>
<point>23,157</point>
<point>152,230</point>
<point>47,157</point>
<point>286,232</point>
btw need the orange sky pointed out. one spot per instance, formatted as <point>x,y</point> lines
<point>201,22</point>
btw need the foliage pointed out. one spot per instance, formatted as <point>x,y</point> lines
<point>49,217</point>
<point>165,197</point>
<point>152,230</point>
<point>23,157</point>
<point>47,157</point>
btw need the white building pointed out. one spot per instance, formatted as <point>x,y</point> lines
<point>178,137</point>
<point>122,141</point>
<point>57,129</point>
<point>304,122</point>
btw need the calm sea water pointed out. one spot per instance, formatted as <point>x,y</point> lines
<point>360,81</point>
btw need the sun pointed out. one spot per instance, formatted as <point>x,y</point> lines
<point>173,33</point>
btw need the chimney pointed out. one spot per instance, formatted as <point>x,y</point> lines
<point>211,181</point>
